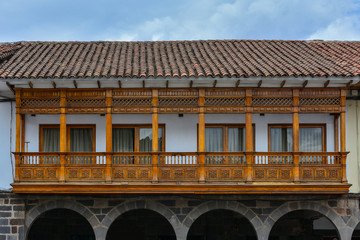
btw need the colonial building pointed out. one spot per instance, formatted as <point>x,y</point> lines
<point>218,139</point>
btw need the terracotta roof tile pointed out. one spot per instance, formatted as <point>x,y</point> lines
<point>179,59</point>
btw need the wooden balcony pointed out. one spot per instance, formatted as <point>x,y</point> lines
<point>183,172</point>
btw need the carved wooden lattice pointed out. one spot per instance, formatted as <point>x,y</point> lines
<point>319,101</point>
<point>178,102</point>
<point>130,102</point>
<point>272,101</point>
<point>209,101</point>
<point>43,102</point>
<point>86,102</point>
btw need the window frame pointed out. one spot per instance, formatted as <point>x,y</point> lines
<point>302,125</point>
<point>136,128</point>
<point>68,127</point>
<point>225,127</point>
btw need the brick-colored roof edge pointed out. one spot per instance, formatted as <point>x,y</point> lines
<point>180,59</point>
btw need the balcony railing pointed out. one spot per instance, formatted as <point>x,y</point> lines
<point>182,167</point>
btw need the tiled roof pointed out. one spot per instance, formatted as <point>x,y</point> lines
<point>159,59</point>
<point>8,49</point>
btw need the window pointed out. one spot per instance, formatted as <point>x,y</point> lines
<point>136,138</point>
<point>80,138</point>
<point>225,137</point>
<point>311,138</point>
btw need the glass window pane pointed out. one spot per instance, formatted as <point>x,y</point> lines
<point>310,139</point>
<point>236,139</point>
<point>213,139</point>
<point>146,139</point>
<point>281,139</point>
<point>81,139</point>
<point>123,139</point>
<point>51,140</point>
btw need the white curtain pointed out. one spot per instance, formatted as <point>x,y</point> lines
<point>146,140</point>
<point>213,139</point>
<point>236,139</point>
<point>310,139</point>
<point>281,140</point>
<point>81,140</point>
<point>51,140</point>
<point>123,139</point>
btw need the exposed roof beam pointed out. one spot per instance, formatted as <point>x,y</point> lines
<point>75,84</point>
<point>237,83</point>
<point>119,82</point>
<point>214,84</point>
<point>327,83</point>
<point>259,83</point>
<point>53,84</point>
<point>349,83</point>
<point>282,83</point>
<point>305,83</point>
<point>167,83</point>
<point>11,87</point>
<point>30,84</point>
<point>98,83</point>
<point>143,83</point>
<point>191,83</point>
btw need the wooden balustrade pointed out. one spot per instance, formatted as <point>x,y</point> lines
<point>231,167</point>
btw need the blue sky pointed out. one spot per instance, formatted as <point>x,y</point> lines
<point>55,20</point>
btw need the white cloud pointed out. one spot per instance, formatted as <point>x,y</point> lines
<point>256,19</point>
<point>347,28</point>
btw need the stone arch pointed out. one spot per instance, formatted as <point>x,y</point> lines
<point>353,222</point>
<point>143,204</point>
<point>225,205</point>
<point>34,213</point>
<point>288,207</point>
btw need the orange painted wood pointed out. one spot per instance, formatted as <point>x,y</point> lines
<point>336,132</point>
<point>23,133</point>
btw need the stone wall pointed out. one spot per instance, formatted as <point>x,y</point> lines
<point>18,212</point>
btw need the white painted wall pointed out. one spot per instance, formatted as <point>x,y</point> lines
<point>7,143</point>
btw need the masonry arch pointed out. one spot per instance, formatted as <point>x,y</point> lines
<point>138,205</point>
<point>289,207</point>
<point>73,206</point>
<point>232,208</point>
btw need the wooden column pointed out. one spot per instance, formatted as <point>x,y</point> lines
<point>249,149</point>
<point>155,135</point>
<point>295,127</point>
<point>343,135</point>
<point>108,135</point>
<point>201,139</point>
<point>23,133</point>
<point>336,132</point>
<point>62,135</point>
<point>17,135</point>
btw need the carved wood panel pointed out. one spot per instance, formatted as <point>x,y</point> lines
<point>133,173</point>
<point>178,173</point>
<point>324,173</point>
<point>227,173</point>
<point>39,173</point>
<point>85,173</point>
<point>278,173</point>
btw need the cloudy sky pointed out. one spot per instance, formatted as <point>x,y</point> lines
<point>61,20</point>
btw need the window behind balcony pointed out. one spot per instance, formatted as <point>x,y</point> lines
<point>311,138</point>
<point>135,138</point>
<point>224,138</point>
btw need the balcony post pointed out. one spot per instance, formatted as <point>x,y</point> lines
<point>249,137</point>
<point>23,133</point>
<point>295,127</point>
<point>343,136</point>
<point>108,135</point>
<point>155,135</point>
<point>17,135</point>
<point>201,130</point>
<point>62,135</point>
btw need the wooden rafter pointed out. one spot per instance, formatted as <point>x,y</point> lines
<point>30,84</point>
<point>260,83</point>
<point>167,83</point>
<point>349,83</point>
<point>53,84</point>
<point>283,83</point>
<point>214,84</point>
<point>119,82</point>
<point>143,83</point>
<point>237,84</point>
<point>191,84</point>
<point>305,83</point>
<point>75,84</point>
<point>11,87</point>
<point>326,83</point>
<point>98,83</point>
